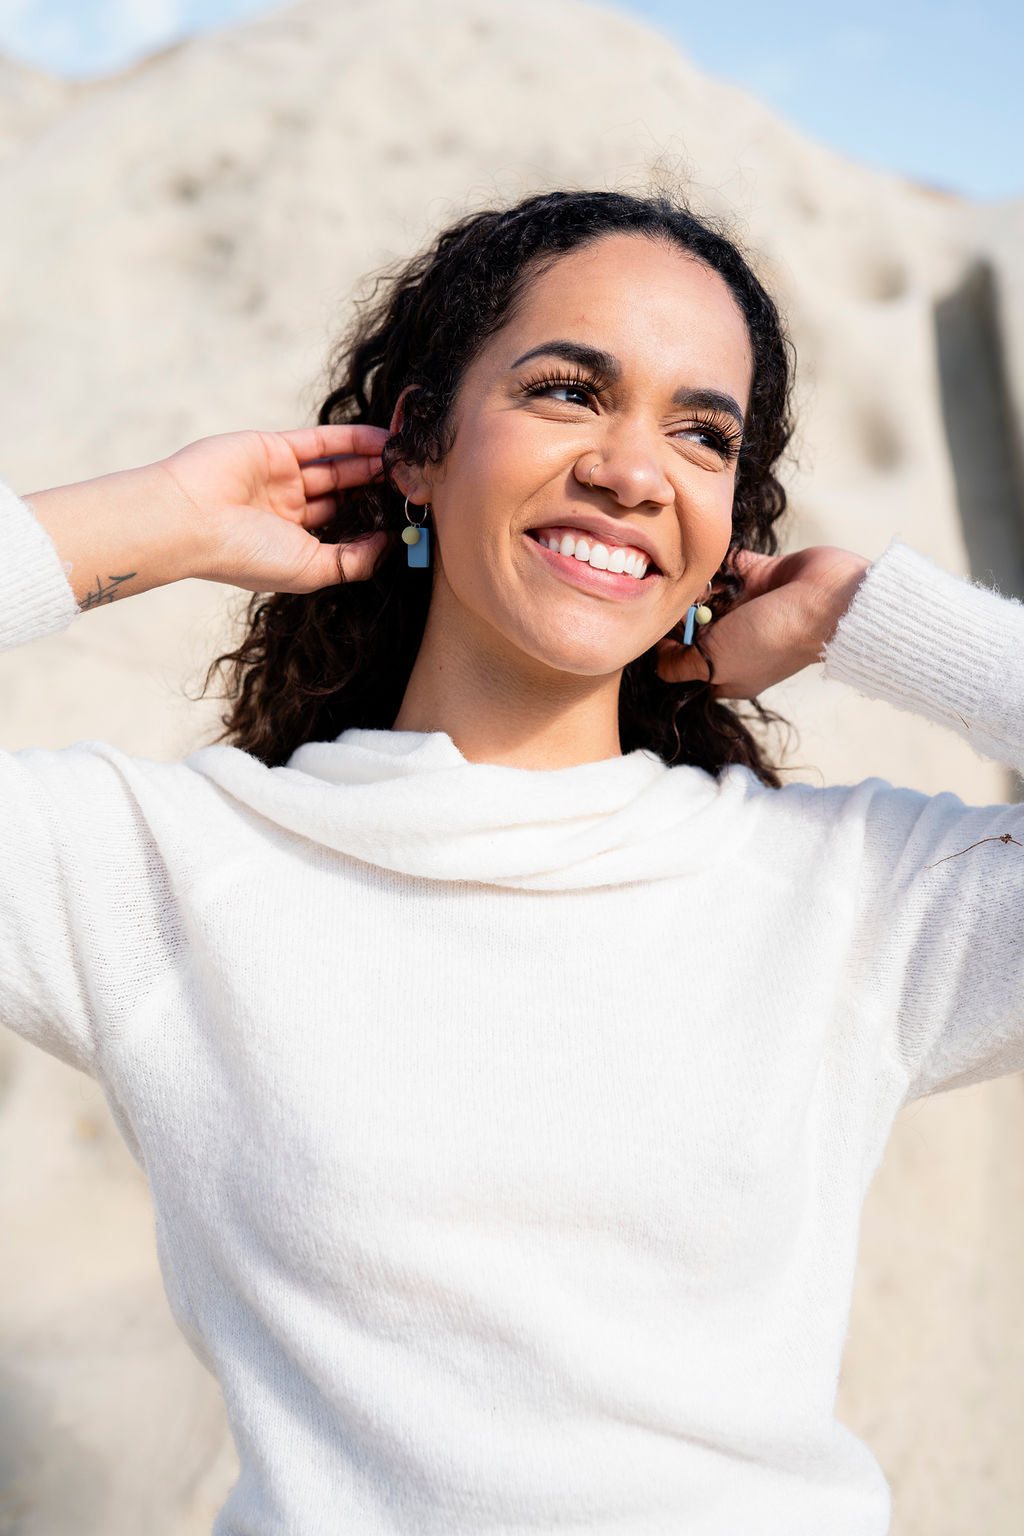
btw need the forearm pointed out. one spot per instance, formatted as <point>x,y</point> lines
<point>120,534</point>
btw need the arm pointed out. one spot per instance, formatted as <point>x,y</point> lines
<point>900,629</point>
<point>240,508</point>
<point>934,644</point>
<point>936,956</point>
<point>942,914</point>
<point>88,916</point>
<point>65,825</point>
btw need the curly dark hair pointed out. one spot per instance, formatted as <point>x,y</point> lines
<point>310,666</point>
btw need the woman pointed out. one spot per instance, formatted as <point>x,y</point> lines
<point>508,1055</point>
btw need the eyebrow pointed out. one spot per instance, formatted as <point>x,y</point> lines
<point>604,364</point>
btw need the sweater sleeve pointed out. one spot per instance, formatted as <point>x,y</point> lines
<point>35,596</point>
<point>939,946</point>
<point>85,913</point>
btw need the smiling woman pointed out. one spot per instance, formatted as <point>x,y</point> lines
<point>579,366</point>
<point>507,1056</point>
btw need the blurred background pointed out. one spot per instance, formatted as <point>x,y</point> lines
<point>928,90</point>
<point>192,195</point>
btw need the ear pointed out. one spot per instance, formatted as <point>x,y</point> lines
<point>411,479</point>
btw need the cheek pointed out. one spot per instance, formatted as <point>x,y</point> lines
<point>471,526</point>
<point>489,476</point>
<point>706,516</point>
<point>505,455</point>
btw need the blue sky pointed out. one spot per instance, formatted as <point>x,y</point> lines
<point>931,91</point>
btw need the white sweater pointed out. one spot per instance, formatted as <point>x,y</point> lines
<point>508,1130</point>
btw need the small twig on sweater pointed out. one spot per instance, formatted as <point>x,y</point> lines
<point>1005,838</point>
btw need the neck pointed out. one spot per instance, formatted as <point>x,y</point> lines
<point>508,709</point>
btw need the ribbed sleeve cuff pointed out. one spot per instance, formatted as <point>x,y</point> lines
<point>35,595</point>
<point>935,644</point>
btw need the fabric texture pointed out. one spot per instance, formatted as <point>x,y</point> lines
<point>35,598</point>
<point>508,1131</point>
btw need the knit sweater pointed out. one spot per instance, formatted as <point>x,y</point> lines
<point>508,1130</point>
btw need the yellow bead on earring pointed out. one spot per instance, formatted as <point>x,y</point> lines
<point>697,613</point>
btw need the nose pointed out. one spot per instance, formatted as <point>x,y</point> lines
<point>626,462</point>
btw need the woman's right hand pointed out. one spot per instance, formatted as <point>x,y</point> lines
<point>238,508</point>
<point>256,496</point>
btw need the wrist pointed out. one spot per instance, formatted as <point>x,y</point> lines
<point>120,534</point>
<point>183,539</point>
<point>835,596</point>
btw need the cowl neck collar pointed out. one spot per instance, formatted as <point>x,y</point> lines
<point>408,801</point>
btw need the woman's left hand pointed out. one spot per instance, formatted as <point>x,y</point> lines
<point>788,612</point>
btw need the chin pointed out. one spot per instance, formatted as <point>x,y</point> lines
<point>579,658</point>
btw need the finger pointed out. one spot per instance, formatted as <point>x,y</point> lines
<point>359,558</point>
<point>309,443</point>
<point>330,564</point>
<point>678,663</point>
<point>323,476</point>
<point>760,573</point>
<point>744,560</point>
<point>321,510</point>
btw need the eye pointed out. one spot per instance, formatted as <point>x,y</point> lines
<point>707,438</point>
<point>721,437</point>
<point>574,389</point>
<point>572,394</point>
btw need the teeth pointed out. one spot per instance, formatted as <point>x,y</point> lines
<point>600,557</point>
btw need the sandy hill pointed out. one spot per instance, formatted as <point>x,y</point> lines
<point>180,244</point>
<point>29,103</point>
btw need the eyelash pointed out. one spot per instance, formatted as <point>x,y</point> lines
<point>587,384</point>
<point>728,439</point>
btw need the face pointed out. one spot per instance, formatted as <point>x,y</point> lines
<point>627,358</point>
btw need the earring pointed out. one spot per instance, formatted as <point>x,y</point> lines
<point>697,613</point>
<point>416,538</point>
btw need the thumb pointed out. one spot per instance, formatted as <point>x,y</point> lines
<point>354,560</point>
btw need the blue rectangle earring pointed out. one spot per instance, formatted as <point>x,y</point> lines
<point>416,539</point>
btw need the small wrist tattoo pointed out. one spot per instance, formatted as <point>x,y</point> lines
<point>100,594</point>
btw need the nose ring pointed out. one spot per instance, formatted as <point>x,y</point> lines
<point>590,477</point>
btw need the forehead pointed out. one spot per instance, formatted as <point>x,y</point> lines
<point>661,312</point>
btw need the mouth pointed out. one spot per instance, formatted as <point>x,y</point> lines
<point>578,547</point>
